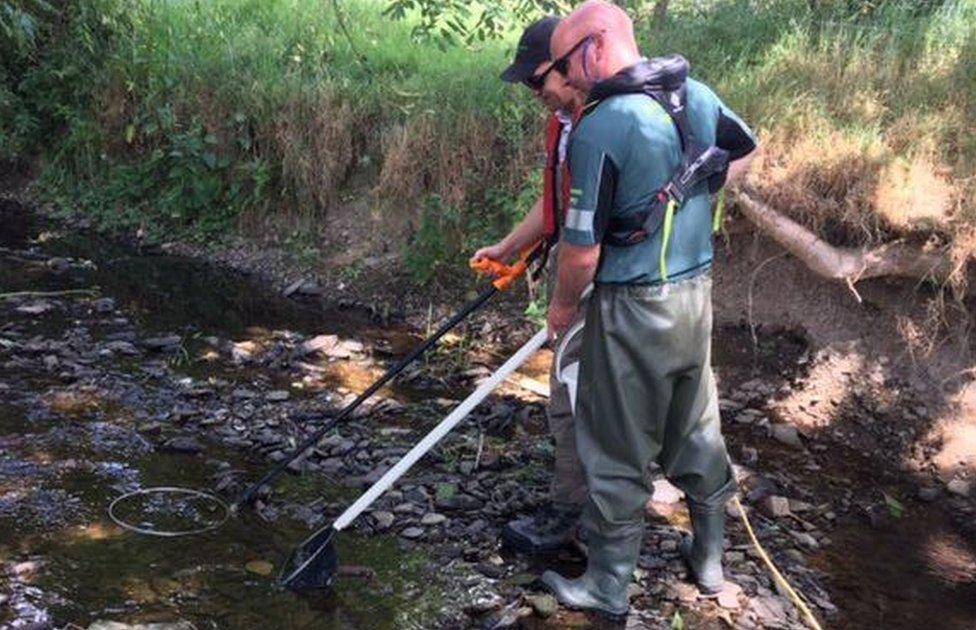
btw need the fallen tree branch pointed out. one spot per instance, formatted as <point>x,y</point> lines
<point>847,264</point>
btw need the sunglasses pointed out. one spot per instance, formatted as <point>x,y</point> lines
<point>561,65</point>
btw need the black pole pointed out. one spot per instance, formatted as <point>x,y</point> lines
<point>248,495</point>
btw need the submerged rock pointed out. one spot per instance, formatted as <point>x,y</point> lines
<point>118,625</point>
<point>184,444</point>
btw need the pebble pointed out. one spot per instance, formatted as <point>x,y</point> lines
<point>278,395</point>
<point>122,347</point>
<point>806,540</point>
<point>384,520</point>
<point>728,598</point>
<point>433,518</point>
<point>776,506</point>
<point>543,605</point>
<point>167,342</point>
<point>787,434</point>
<point>959,487</point>
<point>412,533</point>
<point>684,592</point>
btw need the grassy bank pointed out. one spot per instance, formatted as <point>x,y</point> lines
<point>182,116</point>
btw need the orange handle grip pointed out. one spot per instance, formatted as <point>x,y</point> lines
<point>504,274</point>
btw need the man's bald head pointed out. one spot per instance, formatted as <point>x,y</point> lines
<point>604,35</point>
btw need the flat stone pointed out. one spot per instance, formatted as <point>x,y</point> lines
<point>787,434</point>
<point>412,533</point>
<point>35,308</point>
<point>669,545</point>
<point>277,395</point>
<point>806,540</point>
<point>384,519</point>
<point>167,342</point>
<point>433,518</point>
<point>543,605</point>
<point>332,347</point>
<point>318,343</point>
<point>122,347</point>
<point>776,506</point>
<point>728,598</point>
<point>769,609</point>
<point>344,349</point>
<point>243,351</point>
<point>799,506</point>
<point>184,444</point>
<point>959,487</point>
<point>665,492</point>
<point>684,592</point>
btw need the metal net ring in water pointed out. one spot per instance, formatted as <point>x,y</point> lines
<point>189,492</point>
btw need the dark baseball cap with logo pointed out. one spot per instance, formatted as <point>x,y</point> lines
<point>533,49</point>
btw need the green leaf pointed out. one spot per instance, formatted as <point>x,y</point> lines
<point>130,133</point>
<point>895,507</point>
<point>677,623</point>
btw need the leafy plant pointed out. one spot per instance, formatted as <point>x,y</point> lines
<point>450,22</point>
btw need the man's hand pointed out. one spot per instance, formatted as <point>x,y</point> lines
<point>498,252</point>
<point>559,319</point>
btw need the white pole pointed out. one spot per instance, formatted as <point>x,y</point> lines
<point>438,432</point>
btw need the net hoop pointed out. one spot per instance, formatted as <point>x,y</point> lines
<point>189,492</point>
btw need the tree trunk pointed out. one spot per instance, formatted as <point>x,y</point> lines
<point>846,263</point>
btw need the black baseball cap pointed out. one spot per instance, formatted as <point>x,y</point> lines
<point>533,49</point>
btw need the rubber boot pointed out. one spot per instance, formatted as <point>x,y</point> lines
<point>703,552</point>
<point>609,570</point>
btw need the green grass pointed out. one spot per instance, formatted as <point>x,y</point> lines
<point>182,116</point>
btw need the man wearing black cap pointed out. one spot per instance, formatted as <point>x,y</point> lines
<point>554,524</point>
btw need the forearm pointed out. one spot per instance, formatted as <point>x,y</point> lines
<point>528,231</point>
<point>576,268</point>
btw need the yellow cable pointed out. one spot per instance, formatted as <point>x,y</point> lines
<point>810,619</point>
